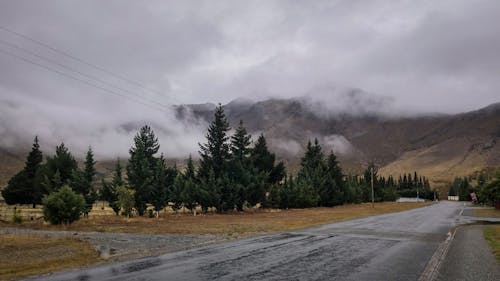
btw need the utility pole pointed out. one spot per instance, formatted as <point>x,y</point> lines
<point>373,195</point>
<point>417,192</point>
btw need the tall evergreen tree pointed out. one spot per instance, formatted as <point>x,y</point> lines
<point>310,177</point>
<point>240,144</point>
<point>109,190</point>
<point>191,193</point>
<point>215,155</point>
<point>262,159</point>
<point>23,187</point>
<point>333,191</point>
<point>240,170</point>
<point>159,186</point>
<point>82,181</point>
<point>62,163</point>
<point>141,167</point>
<point>89,169</point>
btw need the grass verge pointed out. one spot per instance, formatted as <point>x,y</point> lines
<point>25,255</point>
<point>242,223</point>
<point>492,235</point>
<point>489,213</point>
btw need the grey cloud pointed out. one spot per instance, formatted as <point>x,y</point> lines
<point>404,56</point>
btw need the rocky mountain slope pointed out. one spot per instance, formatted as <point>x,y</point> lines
<point>438,146</point>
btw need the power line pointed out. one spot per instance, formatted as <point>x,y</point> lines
<point>76,71</point>
<point>80,80</point>
<point>66,54</point>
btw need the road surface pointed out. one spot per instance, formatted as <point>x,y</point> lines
<point>387,247</point>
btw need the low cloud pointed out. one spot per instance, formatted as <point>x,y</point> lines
<point>331,102</point>
<point>406,57</point>
<point>285,146</point>
<point>338,144</point>
<point>110,135</point>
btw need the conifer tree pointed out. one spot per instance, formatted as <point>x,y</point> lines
<point>109,190</point>
<point>215,155</point>
<point>262,159</point>
<point>332,192</point>
<point>310,178</point>
<point>141,167</point>
<point>159,186</point>
<point>63,164</point>
<point>82,181</point>
<point>240,171</point>
<point>191,193</point>
<point>240,144</point>
<point>23,187</point>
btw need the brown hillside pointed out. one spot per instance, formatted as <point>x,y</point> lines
<point>437,146</point>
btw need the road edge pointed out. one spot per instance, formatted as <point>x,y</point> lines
<point>432,268</point>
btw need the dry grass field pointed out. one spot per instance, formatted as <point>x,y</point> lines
<point>242,223</point>
<point>492,235</point>
<point>490,213</point>
<point>21,254</point>
<point>24,255</point>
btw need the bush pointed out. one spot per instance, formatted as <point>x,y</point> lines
<point>63,206</point>
<point>489,193</point>
<point>17,218</point>
<point>126,200</point>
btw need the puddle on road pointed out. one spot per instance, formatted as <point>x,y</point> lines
<point>141,265</point>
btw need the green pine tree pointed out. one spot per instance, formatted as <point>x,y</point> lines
<point>82,181</point>
<point>141,167</point>
<point>109,190</point>
<point>160,186</point>
<point>23,188</point>
<point>62,162</point>
<point>215,156</point>
<point>215,153</point>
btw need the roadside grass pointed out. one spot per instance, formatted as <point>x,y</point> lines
<point>24,255</point>
<point>231,224</point>
<point>490,213</point>
<point>492,235</point>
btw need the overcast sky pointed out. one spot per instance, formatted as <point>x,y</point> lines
<point>421,56</point>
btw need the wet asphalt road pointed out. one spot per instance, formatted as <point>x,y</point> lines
<point>386,247</point>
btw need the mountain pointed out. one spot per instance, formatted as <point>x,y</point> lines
<point>438,146</point>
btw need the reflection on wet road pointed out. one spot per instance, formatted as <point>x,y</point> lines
<point>387,247</point>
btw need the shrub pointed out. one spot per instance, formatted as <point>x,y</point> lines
<point>63,206</point>
<point>17,218</point>
<point>126,200</point>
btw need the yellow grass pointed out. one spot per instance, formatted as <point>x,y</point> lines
<point>231,223</point>
<point>490,213</point>
<point>25,255</point>
<point>492,235</point>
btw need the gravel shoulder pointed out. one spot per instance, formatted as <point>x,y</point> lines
<point>469,257</point>
<point>114,247</point>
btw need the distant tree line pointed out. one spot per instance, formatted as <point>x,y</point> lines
<point>38,179</point>
<point>486,189</point>
<point>233,173</point>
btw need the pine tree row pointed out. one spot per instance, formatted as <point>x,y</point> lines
<point>232,174</point>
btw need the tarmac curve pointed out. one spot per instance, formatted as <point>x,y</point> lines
<point>394,246</point>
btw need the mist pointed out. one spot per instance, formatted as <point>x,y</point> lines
<point>110,134</point>
<point>338,57</point>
